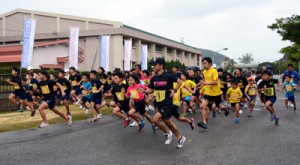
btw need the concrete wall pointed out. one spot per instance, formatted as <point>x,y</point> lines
<point>15,22</point>
<point>66,23</point>
<point>91,53</point>
<point>1,24</point>
<point>116,52</point>
<point>48,55</point>
<point>45,24</point>
<point>94,25</point>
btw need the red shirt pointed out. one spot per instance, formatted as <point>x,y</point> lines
<point>134,93</point>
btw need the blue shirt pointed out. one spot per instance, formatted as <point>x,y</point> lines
<point>288,86</point>
<point>294,75</point>
<point>88,86</point>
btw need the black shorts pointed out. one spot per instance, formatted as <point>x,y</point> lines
<point>233,104</point>
<point>51,103</point>
<point>196,94</point>
<point>29,97</point>
<point>216,99</point>
<point>124,106</point>
<point>175,111</point>
<point>140,107</point>
<point>165,111</point>
<point>85,99</point>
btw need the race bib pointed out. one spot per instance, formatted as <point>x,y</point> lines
<point>120,96</point>
<point>269,91</point>
<point>64,87</point>
<point>160,95</point>
<point>103,80</point>
<point>251,92</point>
<point>45,89</point>
<point>74,83</point>
<point>184,90</point>
<point>228,84</point>
<point>86,93</point>
<point>134,94</point>
<point>234,97</point>
<point>55,87</point>
<point>17,87</point>
<point>94,89</point>
<point>289,88</point>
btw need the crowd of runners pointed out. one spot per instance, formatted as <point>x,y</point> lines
<point>157,95</point>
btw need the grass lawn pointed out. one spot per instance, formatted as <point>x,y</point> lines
<point>12,121</point>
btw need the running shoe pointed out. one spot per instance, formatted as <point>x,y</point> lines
<point>202,125</point>
<point>133,124</point>
<point>20,110</point>
<point>226,112</point>
<point>151,108</point>
<point>237,120</point>
<point>189,111</point>
<point>181,142</point>
<point>214,114</point>
<point>240,111</point>
<point>99,116</point>
<point>154,129</point>
<point>69,120</point>
<point>93,120</point>
<point>87,111</point>
<point>33,113</point>
<point>295,109</point>
<point>126,122</point>
<point>43,125</point>
<point>143,122</point>
<point>277,121</point>
<point>273,117</point>
<point>250,115</point>
<point>193,123</point>
<point>169,137</point>
<point>81,107</point>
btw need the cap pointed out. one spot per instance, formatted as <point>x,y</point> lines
<point>29,68</point>
<point>250,78</point>
<point>159,61</point>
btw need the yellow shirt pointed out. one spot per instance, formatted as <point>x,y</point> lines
<point>202,90</point>
<point>187,84</point>
<point>251,90</point>
<point>234,95</point>
<point>211,75</point>
<point>176,97</point>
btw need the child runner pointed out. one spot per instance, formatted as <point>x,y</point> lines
<point>187,90</point>
<point>96,100</point>
<point>86,87</point>
<point>233,96</point>
<point>251,92</point>
<point>28,96</point>
<point>75,80</point>
<point>120,102</point>
<point>67,88</point>
<point>33,86</point>
<point>290,88</point>
<point>46,89</point>
<point>267,85</point>
<point>139,102</point>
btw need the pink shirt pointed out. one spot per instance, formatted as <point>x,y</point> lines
<point>134,93</point>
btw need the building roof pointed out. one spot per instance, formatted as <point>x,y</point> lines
<point>52,66</point>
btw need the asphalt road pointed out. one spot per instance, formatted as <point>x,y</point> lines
<point>253,141</point>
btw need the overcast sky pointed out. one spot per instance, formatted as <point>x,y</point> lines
<point>239,25</point>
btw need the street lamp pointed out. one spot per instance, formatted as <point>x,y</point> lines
<point>216,52</point>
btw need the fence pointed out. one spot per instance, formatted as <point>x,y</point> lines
<point>5,90</point>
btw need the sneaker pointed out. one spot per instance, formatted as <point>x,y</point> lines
<point>277,121</point>
<point>69,121</point>
<point>87,111</point>
<point>77,103</point>
<point>240,112</point>
<point>151,108</point>
<point>20,110</point>
<point>295,109</point>
<point>154,129</point>
<point>250,115</point>
<point>93,120</point>
<point>141,126</point>
<point>143,122</point>
<point>43,125</point>
<point>169,137</point>
<point>126,122</point>
<point>181,142</point>
<point>28,108</point>
<point>99,116</point>
<point>189,111</point>
<point>33,113</point>
<point>193,123</point>
<point>202,125</point>
<point>81,107</point>
<point>133,124</point>
<point>214,114</point>
<point>237,120</point>
<point>273,117</point>
<point>226,112</point>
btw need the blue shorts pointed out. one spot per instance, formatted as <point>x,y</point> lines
<point>96,100</point>
<point>271,99</point>
<point>77,90</point>
<point>187,99</point>
<point>290,98</point>
<point>66,97</point>
<point>29,98</point>
<point>85,99</point>
<point>51,103</point>
<point>21,95</point>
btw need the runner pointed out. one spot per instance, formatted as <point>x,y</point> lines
<point>212,92</point>
<point>290,88</point>
<point>139,102</point>
<point>86,86</point>
<point>187,90</point>
<point>46,89</point>
<point>96,101</point>
<point>242,83</point>
<point>67,89</point>
<point>267,85</point>
<point>197,80</point>
<point>33,86</point>
<point>234,94</point>
<point>251,92</point>
<point>162,86</point>
<point>75,80</point>
<point>28,97</point>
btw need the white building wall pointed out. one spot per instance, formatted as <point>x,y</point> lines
<point>48,55</point>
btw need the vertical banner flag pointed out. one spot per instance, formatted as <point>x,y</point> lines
<point>73,47</point>
<point>144,57</point>
<point>28,41</point>
<point>127,54</point>
<point>104,52</point>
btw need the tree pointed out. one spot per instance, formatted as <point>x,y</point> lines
<point>246,59</point>
<point>169,64</point>
<point>288,29</point>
